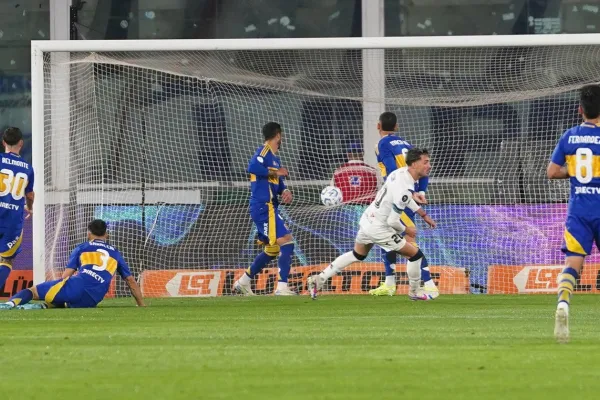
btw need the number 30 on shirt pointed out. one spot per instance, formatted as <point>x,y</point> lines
<point>12,183</point>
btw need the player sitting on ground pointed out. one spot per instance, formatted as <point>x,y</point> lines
<point>380,224</point>
<point>579,149</point>
<point>391,154</point>
<point>16,190</point>
<point>95,262</point>
<point>266,183</point>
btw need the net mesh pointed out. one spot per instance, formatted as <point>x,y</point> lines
<point>157,144</point>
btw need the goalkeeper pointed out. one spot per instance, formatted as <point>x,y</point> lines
<point>95,262</point>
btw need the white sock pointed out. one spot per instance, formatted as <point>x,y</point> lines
<point>245,279</point>
<point>390,280</point>
<point>282,285</point>
<point>10,303</point>
<point>430,284</point>
<point>338,264</point>
<point>413,270</point>
<point>563,306</point>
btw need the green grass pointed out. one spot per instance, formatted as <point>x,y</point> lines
<point>338,347</point>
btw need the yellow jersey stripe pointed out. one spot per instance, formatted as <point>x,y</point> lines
<point>382,169</point>
<point>265,150</point>
<point>96,258</point>
<point>53,291</point>
<point>573,244</point>
<point>572,165</point>
<point>400,161</point>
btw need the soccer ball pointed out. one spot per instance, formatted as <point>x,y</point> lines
<point>331,196</point>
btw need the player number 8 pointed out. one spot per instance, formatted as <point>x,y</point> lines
<point>583,165</point>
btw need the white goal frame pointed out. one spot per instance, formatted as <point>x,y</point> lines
<point>372,68</point>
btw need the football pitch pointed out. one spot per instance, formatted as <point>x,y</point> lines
<point>338,347</point>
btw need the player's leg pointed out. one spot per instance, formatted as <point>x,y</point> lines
<point>266,235</point>
<point>388,286</point>
<point>408,220</point>
<point>578,240</point>
<point>284,262</point>
<point>26,295</point>
<point>10,246</point>
<point>362,246</point>
<point>416,263</point>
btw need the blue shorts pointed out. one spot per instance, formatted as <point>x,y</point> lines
<point>67,292</point>
<point>10,242</point>
<point>268,222</point>
<point>580,235</point>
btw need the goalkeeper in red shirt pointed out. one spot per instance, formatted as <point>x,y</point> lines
<point>356,179</point>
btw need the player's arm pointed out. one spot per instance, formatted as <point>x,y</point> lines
<point>29,196</point>
<point>405,200</point>
<point>284,192</point>
<point>257,167</point>
<point>73,264</point>
<point>556,167</point>
<point>134,288</point>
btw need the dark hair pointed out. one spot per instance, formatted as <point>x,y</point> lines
<point>270,130</point>
<point>97,227</point>
<point>12,136</point>
<point>388,121</point>
<point>589,99</point>
<point>415,154</point>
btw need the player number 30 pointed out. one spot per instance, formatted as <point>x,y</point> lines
<point>13,183</point>
<point>584,171</point>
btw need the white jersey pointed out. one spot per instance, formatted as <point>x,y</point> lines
<point>395,194</point>
<point>380,223</point>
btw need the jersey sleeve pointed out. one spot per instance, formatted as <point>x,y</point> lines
<point>74,260</point>
<point>558,155</point>
<point>122,267</point>
<point>257,166</point>
<point>402,200</point>
<point>29,187</point>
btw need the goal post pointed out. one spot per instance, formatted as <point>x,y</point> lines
<point>154,135</point>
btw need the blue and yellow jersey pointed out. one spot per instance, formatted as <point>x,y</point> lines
<point>579,149</point>
<point>16,180</point>
<point>264,189</point>
<point>391,154</point>
<point>96,263</point>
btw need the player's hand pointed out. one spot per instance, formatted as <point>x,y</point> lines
<point>286,196</point>
<point>282,172</point>
<point>28,213</point>
<point>419,198</point>
<point>429,221</point>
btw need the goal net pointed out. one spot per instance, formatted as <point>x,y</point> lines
<point>157,144</point>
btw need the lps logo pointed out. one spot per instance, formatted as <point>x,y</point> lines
<point>537,279</point>
<point>194,284</point>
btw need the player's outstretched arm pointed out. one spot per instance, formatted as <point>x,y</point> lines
<point>428,220</point>
<point>135,290</point>
<point>555,171</point>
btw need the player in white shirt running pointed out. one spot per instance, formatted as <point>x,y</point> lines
<point>380,224</point>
